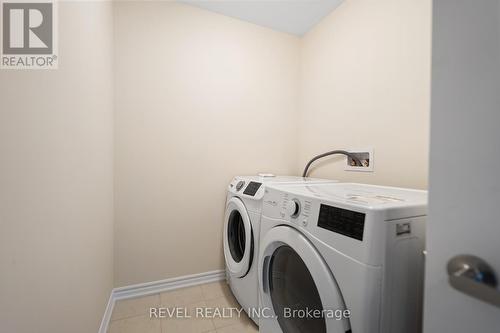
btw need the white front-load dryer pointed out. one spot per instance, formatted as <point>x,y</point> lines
<point>341,257</point>
<point>241,234</point>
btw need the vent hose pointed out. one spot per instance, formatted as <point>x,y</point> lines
<point>333,152</point>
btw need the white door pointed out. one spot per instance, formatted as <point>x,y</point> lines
<point>238,238</point>
<point>291,281</point>
<point>464,191</point>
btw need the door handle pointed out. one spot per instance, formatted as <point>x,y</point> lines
<point>265,275</point>
<point>474,277</point>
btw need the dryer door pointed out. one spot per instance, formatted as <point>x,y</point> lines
<point>298,287</point>
<point>238,238</point>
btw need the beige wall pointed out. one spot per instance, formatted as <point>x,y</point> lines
<point>199,98</point>
<point>365,83</point>
<point>56,200</point>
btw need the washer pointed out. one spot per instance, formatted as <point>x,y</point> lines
<point>350,254</point>
<point>241,234</point>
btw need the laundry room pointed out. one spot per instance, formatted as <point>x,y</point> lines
<point>217,166</point>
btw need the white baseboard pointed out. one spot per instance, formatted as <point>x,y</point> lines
<point>150,288</point>
<point>106,318</point>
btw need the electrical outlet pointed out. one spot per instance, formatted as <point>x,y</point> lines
<point>365,156</point>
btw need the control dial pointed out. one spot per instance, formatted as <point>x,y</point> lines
<point>240,184</point>
<point>293,208</point>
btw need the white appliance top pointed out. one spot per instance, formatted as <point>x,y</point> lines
<point>251,189</point>
<point>270,178</point>
<point>362,195</point>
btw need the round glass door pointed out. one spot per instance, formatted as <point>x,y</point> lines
<point>293,290</point>
<point>236,235</point>
<point>297,285</point>
<point>238,239</point>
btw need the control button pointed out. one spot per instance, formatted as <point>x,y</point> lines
<point>293,208</point>
<point>240,184</point>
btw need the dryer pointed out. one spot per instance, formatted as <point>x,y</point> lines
<point>242,230</point>
<point>341,257</point>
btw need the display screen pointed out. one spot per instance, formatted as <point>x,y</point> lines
<point>342,221</point>
<point>252,188</point>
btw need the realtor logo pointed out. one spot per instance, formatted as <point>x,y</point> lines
<point>28,35</point>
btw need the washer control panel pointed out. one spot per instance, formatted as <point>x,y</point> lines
<point>247,187</point>
<point>252,188</point>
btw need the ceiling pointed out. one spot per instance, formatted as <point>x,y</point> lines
<point>291,16</point>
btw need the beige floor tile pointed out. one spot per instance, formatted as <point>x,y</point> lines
<point>132,316</point>
<point>181,297</point>
<point>139,324</point>
<point>135,306</point>
<point>226,303</point>
<point>215,290</point>
<point>188,325</point>
<point>249,327</point>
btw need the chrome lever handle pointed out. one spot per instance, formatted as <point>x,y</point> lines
<point>474,277</point>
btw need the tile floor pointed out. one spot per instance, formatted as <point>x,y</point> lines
<point>132,315</point>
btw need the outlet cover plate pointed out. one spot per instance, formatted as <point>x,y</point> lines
<point>369,168</point>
